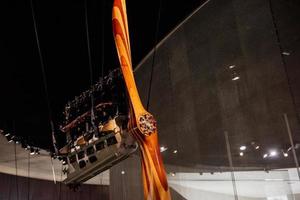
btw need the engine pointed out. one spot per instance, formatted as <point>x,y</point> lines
<point>95,126</point>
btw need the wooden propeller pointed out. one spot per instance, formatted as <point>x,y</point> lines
<point>142,123</point>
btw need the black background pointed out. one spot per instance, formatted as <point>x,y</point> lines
<point>62,34</point>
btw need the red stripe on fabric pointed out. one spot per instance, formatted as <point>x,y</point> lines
<point>156,158</point>
<point>118,31</point>
<point>118,3</point>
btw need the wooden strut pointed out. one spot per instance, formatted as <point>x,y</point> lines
<point>141,121</point>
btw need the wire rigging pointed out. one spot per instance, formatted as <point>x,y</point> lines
<point>16,165</point>
<point>61,172</point>
<point>154,53</point>
<point>102,38</point>
<point>28,177</point>
<point>90,62</point>
<point>100,182</point>
<point>41,58</point>
<point>16,161</point>
<point>53,171</point>
<point>88,41</point>
<point>42,65</point>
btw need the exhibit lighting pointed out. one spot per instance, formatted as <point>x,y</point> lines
<point>10,139</point>
<point>285,154</point>
<point>235,78</point>
<point>173,174</point>
<point>257,147</point>
<point>31,151</point>
<point>175,151</point>
<point>265,155</point>
<point>243,148</point>
<point>286,53</point>
<point>231,66</point>
<point>163,148</point>
<point>65,161</point>
<point>122,172</point>
<point>241,154</point>
<point>273,153</point>
<point>36,151</point>
<point>16,140</point>
<point>1,131</point>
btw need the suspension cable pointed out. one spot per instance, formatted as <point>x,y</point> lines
<point>28,177</point>
<point>42,69</point>
<point>53,170</point>
<point>102,39</point>
<point>61,172</point>
<point>16,166</point>
<point>90,61</point>
<point>88,41</point>
<point>154,53</point>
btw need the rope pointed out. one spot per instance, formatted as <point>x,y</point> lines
<point>102,39</point>
<point>53,171</point>
<point>154,53</point>
<point>42,68</point>
<point>101,183</point>
<point>59,193</point>
<point>228,149</point>
<point>28,177</point>
<point>90,61</point>
<point>16,165</point>
<point>88,42</point>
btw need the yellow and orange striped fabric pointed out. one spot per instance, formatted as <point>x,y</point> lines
<point>154,176</point>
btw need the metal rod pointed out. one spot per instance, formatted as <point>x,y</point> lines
<point>231,165</point>
<point>292,142</point>
<point>16,165</point>
<point>53,171</point>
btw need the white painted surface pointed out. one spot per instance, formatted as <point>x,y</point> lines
<point>276,184</point>
<point>40,165</point>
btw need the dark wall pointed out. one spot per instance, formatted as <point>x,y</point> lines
<point>21,188</point>
<point>129,185</point>
<point>195,99</point>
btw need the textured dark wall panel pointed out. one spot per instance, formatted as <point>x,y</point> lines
<point>126,186</point>
<point>195,99</point>
<point>22,188</point>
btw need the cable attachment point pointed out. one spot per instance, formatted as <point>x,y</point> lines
<point>147,124</point>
